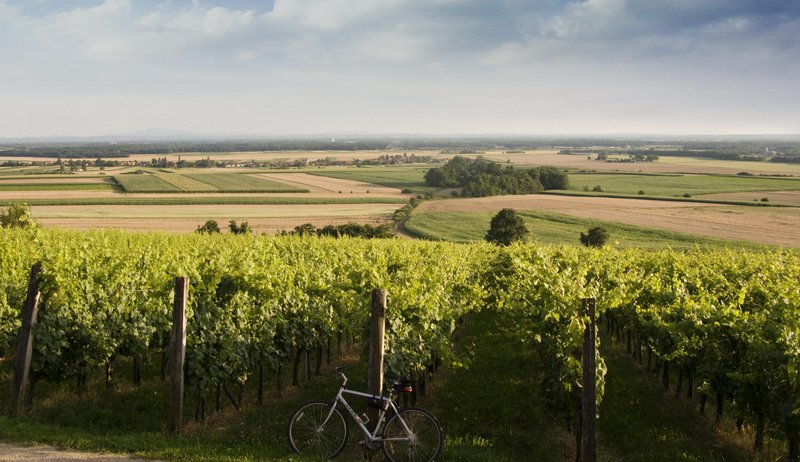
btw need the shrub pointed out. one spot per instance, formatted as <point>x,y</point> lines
<point>595,237</point>
<point>243,228</point>
<point>597,188</point>
<point>17,216</point>
<point>209,227</point>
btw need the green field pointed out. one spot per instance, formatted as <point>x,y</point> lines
<point>678,185</point>
<point>397,177</point>
<point>55,187</point>
<point>145,183</point>
<point>203,182</point>
<point>236,182</point>
<point>186,184</point>
<point>552,228</point>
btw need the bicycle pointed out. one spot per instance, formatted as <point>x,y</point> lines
<point>319,429</point>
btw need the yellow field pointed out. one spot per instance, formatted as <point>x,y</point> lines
<point>262,218</point>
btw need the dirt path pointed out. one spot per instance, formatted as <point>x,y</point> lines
<point>10,453</point>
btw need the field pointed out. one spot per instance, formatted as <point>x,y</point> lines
<point>554,229</point>
<point>686,165</point>
<point>145,183</point>
<point>219,182</point>
<point>405,178</point>
<point>765,225</point>
<point>335,184</point>
<point>257,195</point>
<point>678,185</point>
<point>185,218</point>
<point>54,183</point>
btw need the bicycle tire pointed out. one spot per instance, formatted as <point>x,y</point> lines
<point>426,441</point>
<point>307,438</point>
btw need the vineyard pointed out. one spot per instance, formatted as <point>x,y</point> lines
<point>726,323</point>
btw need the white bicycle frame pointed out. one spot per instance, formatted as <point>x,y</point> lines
<point>371,436</point>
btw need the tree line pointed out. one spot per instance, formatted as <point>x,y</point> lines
<point>480,177</point>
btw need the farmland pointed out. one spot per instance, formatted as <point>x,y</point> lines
<point>550,228</point>
<point>522,336</point>
<point>720,215</point>
<point>219,182</point>
<point>181,199</point>
<point>678,185</point>
<point>766,225</point>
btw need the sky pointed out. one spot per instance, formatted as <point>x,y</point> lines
<point>458,67</point>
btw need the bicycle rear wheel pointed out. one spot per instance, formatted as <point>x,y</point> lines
<point>423,443</point>
<point>310,434</point>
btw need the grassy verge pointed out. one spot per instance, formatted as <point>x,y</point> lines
<point>132,419</point>
<point>639,421</point>
<point>552,228</point>
<point>491,407</point>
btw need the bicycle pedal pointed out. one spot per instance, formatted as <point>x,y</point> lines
<point>367,446</point>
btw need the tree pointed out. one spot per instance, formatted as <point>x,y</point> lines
<point>595,237</point>
<point>17,216</point>
<point>436,177</point>
<point>506,227</point>
<point>209,227</point>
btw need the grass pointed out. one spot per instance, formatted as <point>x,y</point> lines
<point>204,182</point>
<point>556,229</point>
<point>242,183</point>
<point>145,183</point>
<point>740,165</point>
<point>678,185</point>
<point>208,200</point>
<point>55,187</point>
<point>411,178</point>
<point>641,422</point>
<point>187,184</point>
<point>488,402</point>
<point>132,420</point>
<point>491,407</point>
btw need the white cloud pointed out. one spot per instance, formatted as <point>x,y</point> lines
<point>396,65</point>
<point>332,15</point>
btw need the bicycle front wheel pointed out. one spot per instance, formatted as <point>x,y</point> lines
<point>421,442</point>
<point>312,432</point>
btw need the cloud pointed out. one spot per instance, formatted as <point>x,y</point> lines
<point>450,63</point>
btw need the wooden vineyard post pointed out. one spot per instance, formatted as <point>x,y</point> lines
<point>589,404</point>
<point>25,342</point>
<point>177,354</point>
<point>377,324</point>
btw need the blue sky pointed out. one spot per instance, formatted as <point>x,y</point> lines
<point>291,67</point>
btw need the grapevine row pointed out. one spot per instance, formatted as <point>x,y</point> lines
<point>726,322</point>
